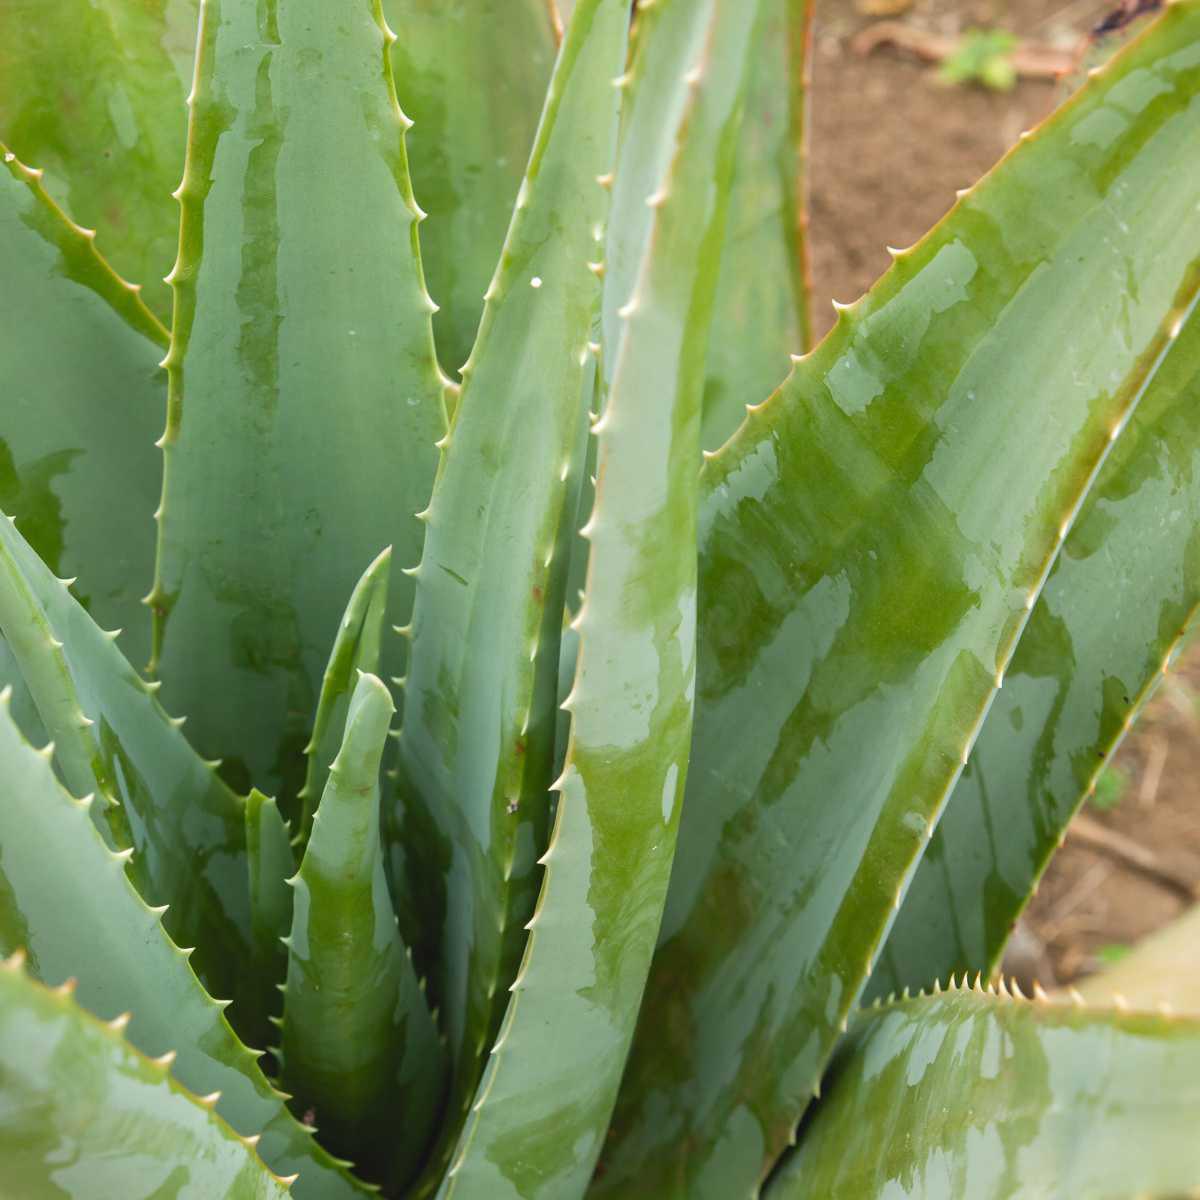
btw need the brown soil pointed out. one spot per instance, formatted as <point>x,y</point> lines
<point>889,148</point>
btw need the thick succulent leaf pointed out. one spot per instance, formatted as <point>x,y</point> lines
<point>82,1113</point>
<point>270,863</point>
<point>761,316</point>
<point>472,78</point>
<point>477,743</point>
<point>113,738</point>
<point>972,1094</point>
<point>83,405</point>
<point>559,1056</point>
<point>872,542</point>
<point>95,94</point>
<point>1111,616</point>
<point>65,901</point>
<point>359,1046</point>
<point>304,397</point>
<point>24,710</point>
<point>669,40</point>
<point>356,648</point>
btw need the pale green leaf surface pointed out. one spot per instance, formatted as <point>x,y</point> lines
<point>970,1094</point>
<point>84,1115</point>
<point>871,543</point>
<point>358,1044</point>
<point>669,42</point>
<point>542,1108</point>
<point>65,901</point>
<point>270,864</point>
<point>477,742</point>
<point>761,316</point>
<point>357,647</point>
<point>113,738</point>
<point>83,405</point>
<point>471,77</point>
<point>1112,614</point>
<point>94,93</point>
<point>24,710</point>
<point>300,448</point>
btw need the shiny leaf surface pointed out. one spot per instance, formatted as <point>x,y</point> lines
<point>94,93</point>
<point>270,864</point>
<point>557,1061</point>
<point>112,738</point>
<point>971,1094</point>
<point>472,78</point>
<point>1111,616</point>
<point>477,743</point>
<point>871,544</point>
<point>65,900</point>
<point>84,1116</point>
<point>304,398</point>
<point>356,648</point>
<point>359,1046</point>
<point>669,41</point>
<point>761,317</point>
<point>83,406</point>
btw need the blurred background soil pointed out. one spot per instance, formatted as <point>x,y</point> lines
<point>890,145</point>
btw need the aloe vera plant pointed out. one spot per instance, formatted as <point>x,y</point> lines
<point>552,794</point>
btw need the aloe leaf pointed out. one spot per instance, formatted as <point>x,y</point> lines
<point>83,405</point>
<point>113,738</point>
<point>299,449</point>
<point>1111,617</point>
<point>356,648</point>
<point>270,864</point>
<point>65,901</point>
<point>24,710</point>
<point>975,1094</point>
<point>83,1113</point>
<point>472,78</point>
<point>872,542</point>
<point>669,39</point>
<point>477,742</point>
<point>95,94</point>
<point>761,317</point>
<point>358,1042</point>
<point>557,1061</point>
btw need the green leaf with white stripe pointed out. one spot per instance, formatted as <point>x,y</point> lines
<point>761,317</point>
<point>65,901</point>
<point>356,648</point>
<point>972,1094</point>
<point>477,742</point>
<point>872,542</point>
<point>472,78</point>
<point>95,93</point>
<point>359,1047</point>
<point>1114,611</point>
<point>299,447</point>
<point>112,738</point>
<point>270,864</point>
<point>561,1050</point>
<point>83,406</point>
<point>69,1080</point>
